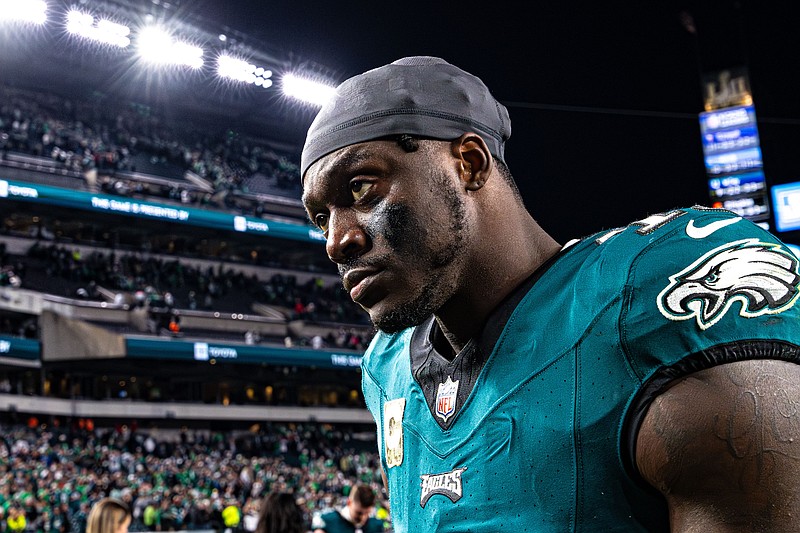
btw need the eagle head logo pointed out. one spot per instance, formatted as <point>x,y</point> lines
<point>761,276</point>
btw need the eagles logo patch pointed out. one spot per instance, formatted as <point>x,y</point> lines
<point>761,276</point>
<point>448,484</point>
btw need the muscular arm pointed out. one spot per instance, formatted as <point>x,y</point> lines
<point>723,446</point>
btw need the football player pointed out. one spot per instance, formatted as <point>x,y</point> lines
<point>638,379</point>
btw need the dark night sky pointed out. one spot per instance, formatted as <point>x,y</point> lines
<point>603,96</point>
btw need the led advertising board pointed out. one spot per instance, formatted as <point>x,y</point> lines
<point>733,161</point>
<point>786,204</point>
<point>45,194</point>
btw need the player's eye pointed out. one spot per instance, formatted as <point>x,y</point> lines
<point>359,188</point>
<point>321,220</point>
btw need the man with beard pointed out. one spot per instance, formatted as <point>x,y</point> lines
<point>639,379</point>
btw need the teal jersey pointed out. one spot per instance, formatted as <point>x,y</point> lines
<point>543,439</point>
<point>333,522</point>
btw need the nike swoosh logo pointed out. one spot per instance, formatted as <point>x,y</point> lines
<point>704,231</point>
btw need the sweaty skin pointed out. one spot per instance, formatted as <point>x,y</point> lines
<point>723,447</point>
<point>414,233</point>
<point>403,231</point>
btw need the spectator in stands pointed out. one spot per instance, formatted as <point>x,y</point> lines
<point>174,326</point>
<point>280,513</point>
<point>109,515</point>
<point>317,342</point>
<point>252,337</point>
<point>80,518</point>
<point>16,521</point>
<point>355,517</point>
<point>152,516</point>
<point>231,515</point>
<point>58,519</point>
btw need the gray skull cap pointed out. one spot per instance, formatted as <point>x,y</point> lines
<point>422,95</point>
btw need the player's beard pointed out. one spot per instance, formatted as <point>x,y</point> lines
<point>411,313</point>
<point>404,230</point>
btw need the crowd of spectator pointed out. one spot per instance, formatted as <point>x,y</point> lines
<point>10,274</point>
<point>100,134</point>
<point>51,475</point>
<point>168,286</point>
<point>178,284</point>
<point>23,326</point>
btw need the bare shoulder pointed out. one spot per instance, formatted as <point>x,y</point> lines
<point>723,446</point>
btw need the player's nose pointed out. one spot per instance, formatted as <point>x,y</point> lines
<point>346,237</point>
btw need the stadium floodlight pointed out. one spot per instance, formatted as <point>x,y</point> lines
<point>158,47</point>
<point>34,11</point>
<point>313,92</point>
<point>100,30</point>
<point>240,70</point>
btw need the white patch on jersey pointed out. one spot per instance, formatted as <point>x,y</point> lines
<point>701,232</point>
<point>761,276</point>
<point>446,397</point>
<point>570,244</point>
<point>393,431</point>
<point>447,484</point>
<point>603,238</point>
<point>653,222</point>
<point>646,226</point>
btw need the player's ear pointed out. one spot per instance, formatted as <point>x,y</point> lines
<point>473,159</point>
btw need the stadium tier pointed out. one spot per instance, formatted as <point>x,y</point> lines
<point>172,333</point>
<point>162,294</point>
<point>169,338</point>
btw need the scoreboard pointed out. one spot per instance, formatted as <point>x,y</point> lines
<point>733,162</point>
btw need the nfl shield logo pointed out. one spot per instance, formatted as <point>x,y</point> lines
<point>446,399</point>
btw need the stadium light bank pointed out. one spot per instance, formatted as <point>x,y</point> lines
<point>34,11</point>
<point>100,30</point>
<point>306,90</point>
<point>157,46</point>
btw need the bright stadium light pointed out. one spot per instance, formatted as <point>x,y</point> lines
<point>310,91</point>
<point>240,70</point>
<point>158,47</point>
<point>100,30</point>
<point>34,11</point>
